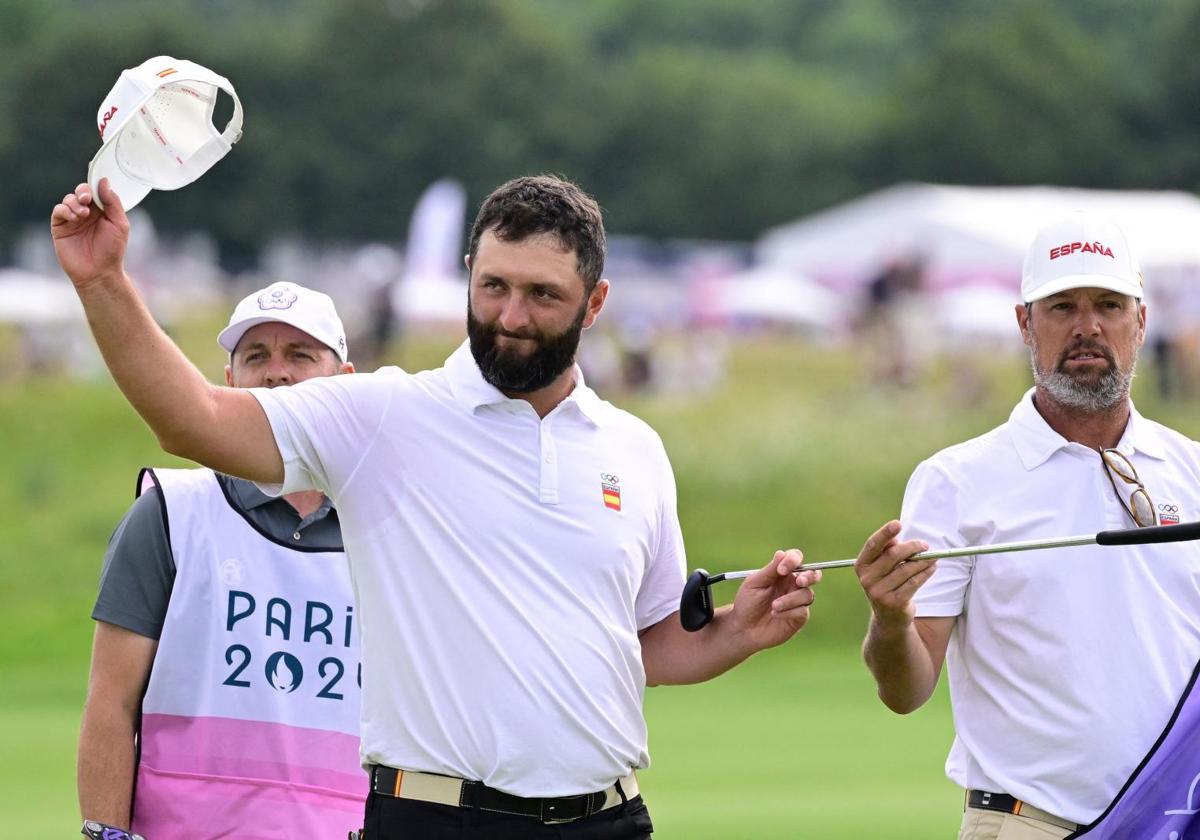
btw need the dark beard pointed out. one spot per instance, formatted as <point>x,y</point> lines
<point>513,373</point>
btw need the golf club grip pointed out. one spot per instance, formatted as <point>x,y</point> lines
<point>1154,534</point>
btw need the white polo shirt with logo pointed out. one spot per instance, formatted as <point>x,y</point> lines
<point>1064,665</point>
<point>503,565</point>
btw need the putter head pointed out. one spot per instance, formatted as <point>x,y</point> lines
<point>696,605</point>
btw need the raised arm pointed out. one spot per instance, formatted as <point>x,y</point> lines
<point>222,428</point>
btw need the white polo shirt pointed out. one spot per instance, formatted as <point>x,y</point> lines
<point>1064,664</point>
<point>503,565</point>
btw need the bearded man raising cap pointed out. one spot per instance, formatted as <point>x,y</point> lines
<point>512,537</point>
<point>1065,665</point>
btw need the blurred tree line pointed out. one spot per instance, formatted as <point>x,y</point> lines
<point>687,118</point>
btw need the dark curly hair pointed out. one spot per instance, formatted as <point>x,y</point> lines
<point>546,204</point>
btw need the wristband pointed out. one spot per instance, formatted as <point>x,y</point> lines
<point>100,831</point>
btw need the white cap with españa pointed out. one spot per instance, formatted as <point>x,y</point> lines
<point>1080,251</point>
<point>156,128</point>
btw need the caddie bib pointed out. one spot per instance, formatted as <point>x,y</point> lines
<point>250,719</point>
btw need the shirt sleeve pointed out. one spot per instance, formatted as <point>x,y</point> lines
<point>139,570</point>
<point>324,429</point>
<point>930,513</point>
<point>662,582</point>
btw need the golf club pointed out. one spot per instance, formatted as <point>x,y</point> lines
<point>696,604</point>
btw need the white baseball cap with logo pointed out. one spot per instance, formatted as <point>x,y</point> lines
<point>287,303</point>
<point>156,128</point>
<point>1080,251</point>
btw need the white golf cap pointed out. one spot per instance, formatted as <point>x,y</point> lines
<point>157,131</point>
<point>1080,251</point>
<point>288,303</point>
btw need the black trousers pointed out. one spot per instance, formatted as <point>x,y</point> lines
<point>388,818</point>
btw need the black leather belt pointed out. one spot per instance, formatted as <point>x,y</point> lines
<point>463,793</point>
<point>1011,805</point>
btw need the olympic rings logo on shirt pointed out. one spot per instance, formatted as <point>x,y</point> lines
<point>1169,508</point>
<point>609,478</point>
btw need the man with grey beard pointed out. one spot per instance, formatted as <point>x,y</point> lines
<point>1064,665</point>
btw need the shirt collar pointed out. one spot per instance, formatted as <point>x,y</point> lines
<point>473,392</point>
<point>245,493</point>
<point>247,496</point>
<point>1036,441</point>
<point>1142,436</point>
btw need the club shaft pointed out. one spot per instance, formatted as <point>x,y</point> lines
<point>965,551</point>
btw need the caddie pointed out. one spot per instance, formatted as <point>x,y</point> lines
<point>224,688</point>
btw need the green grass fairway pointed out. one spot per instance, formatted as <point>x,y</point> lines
<point>792,450</point>
<point>783,747</point>
<point>795,744</point>
<point>39,722</point>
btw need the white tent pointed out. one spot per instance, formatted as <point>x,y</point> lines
<point>772,295</point>
<point>431,300</point>
<point>47,317</point>
<point>27,298</point>
<point>974,235</point>
<point>977,312</point>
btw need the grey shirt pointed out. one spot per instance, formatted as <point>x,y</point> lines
<point>139,569</point>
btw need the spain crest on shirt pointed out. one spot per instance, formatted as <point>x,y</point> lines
<point>610,489</point>
<point>1168,514</point>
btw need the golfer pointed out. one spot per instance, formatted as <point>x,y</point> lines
<point>223,686</point>
<point>1064,665</point>
<point>512,538</point>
